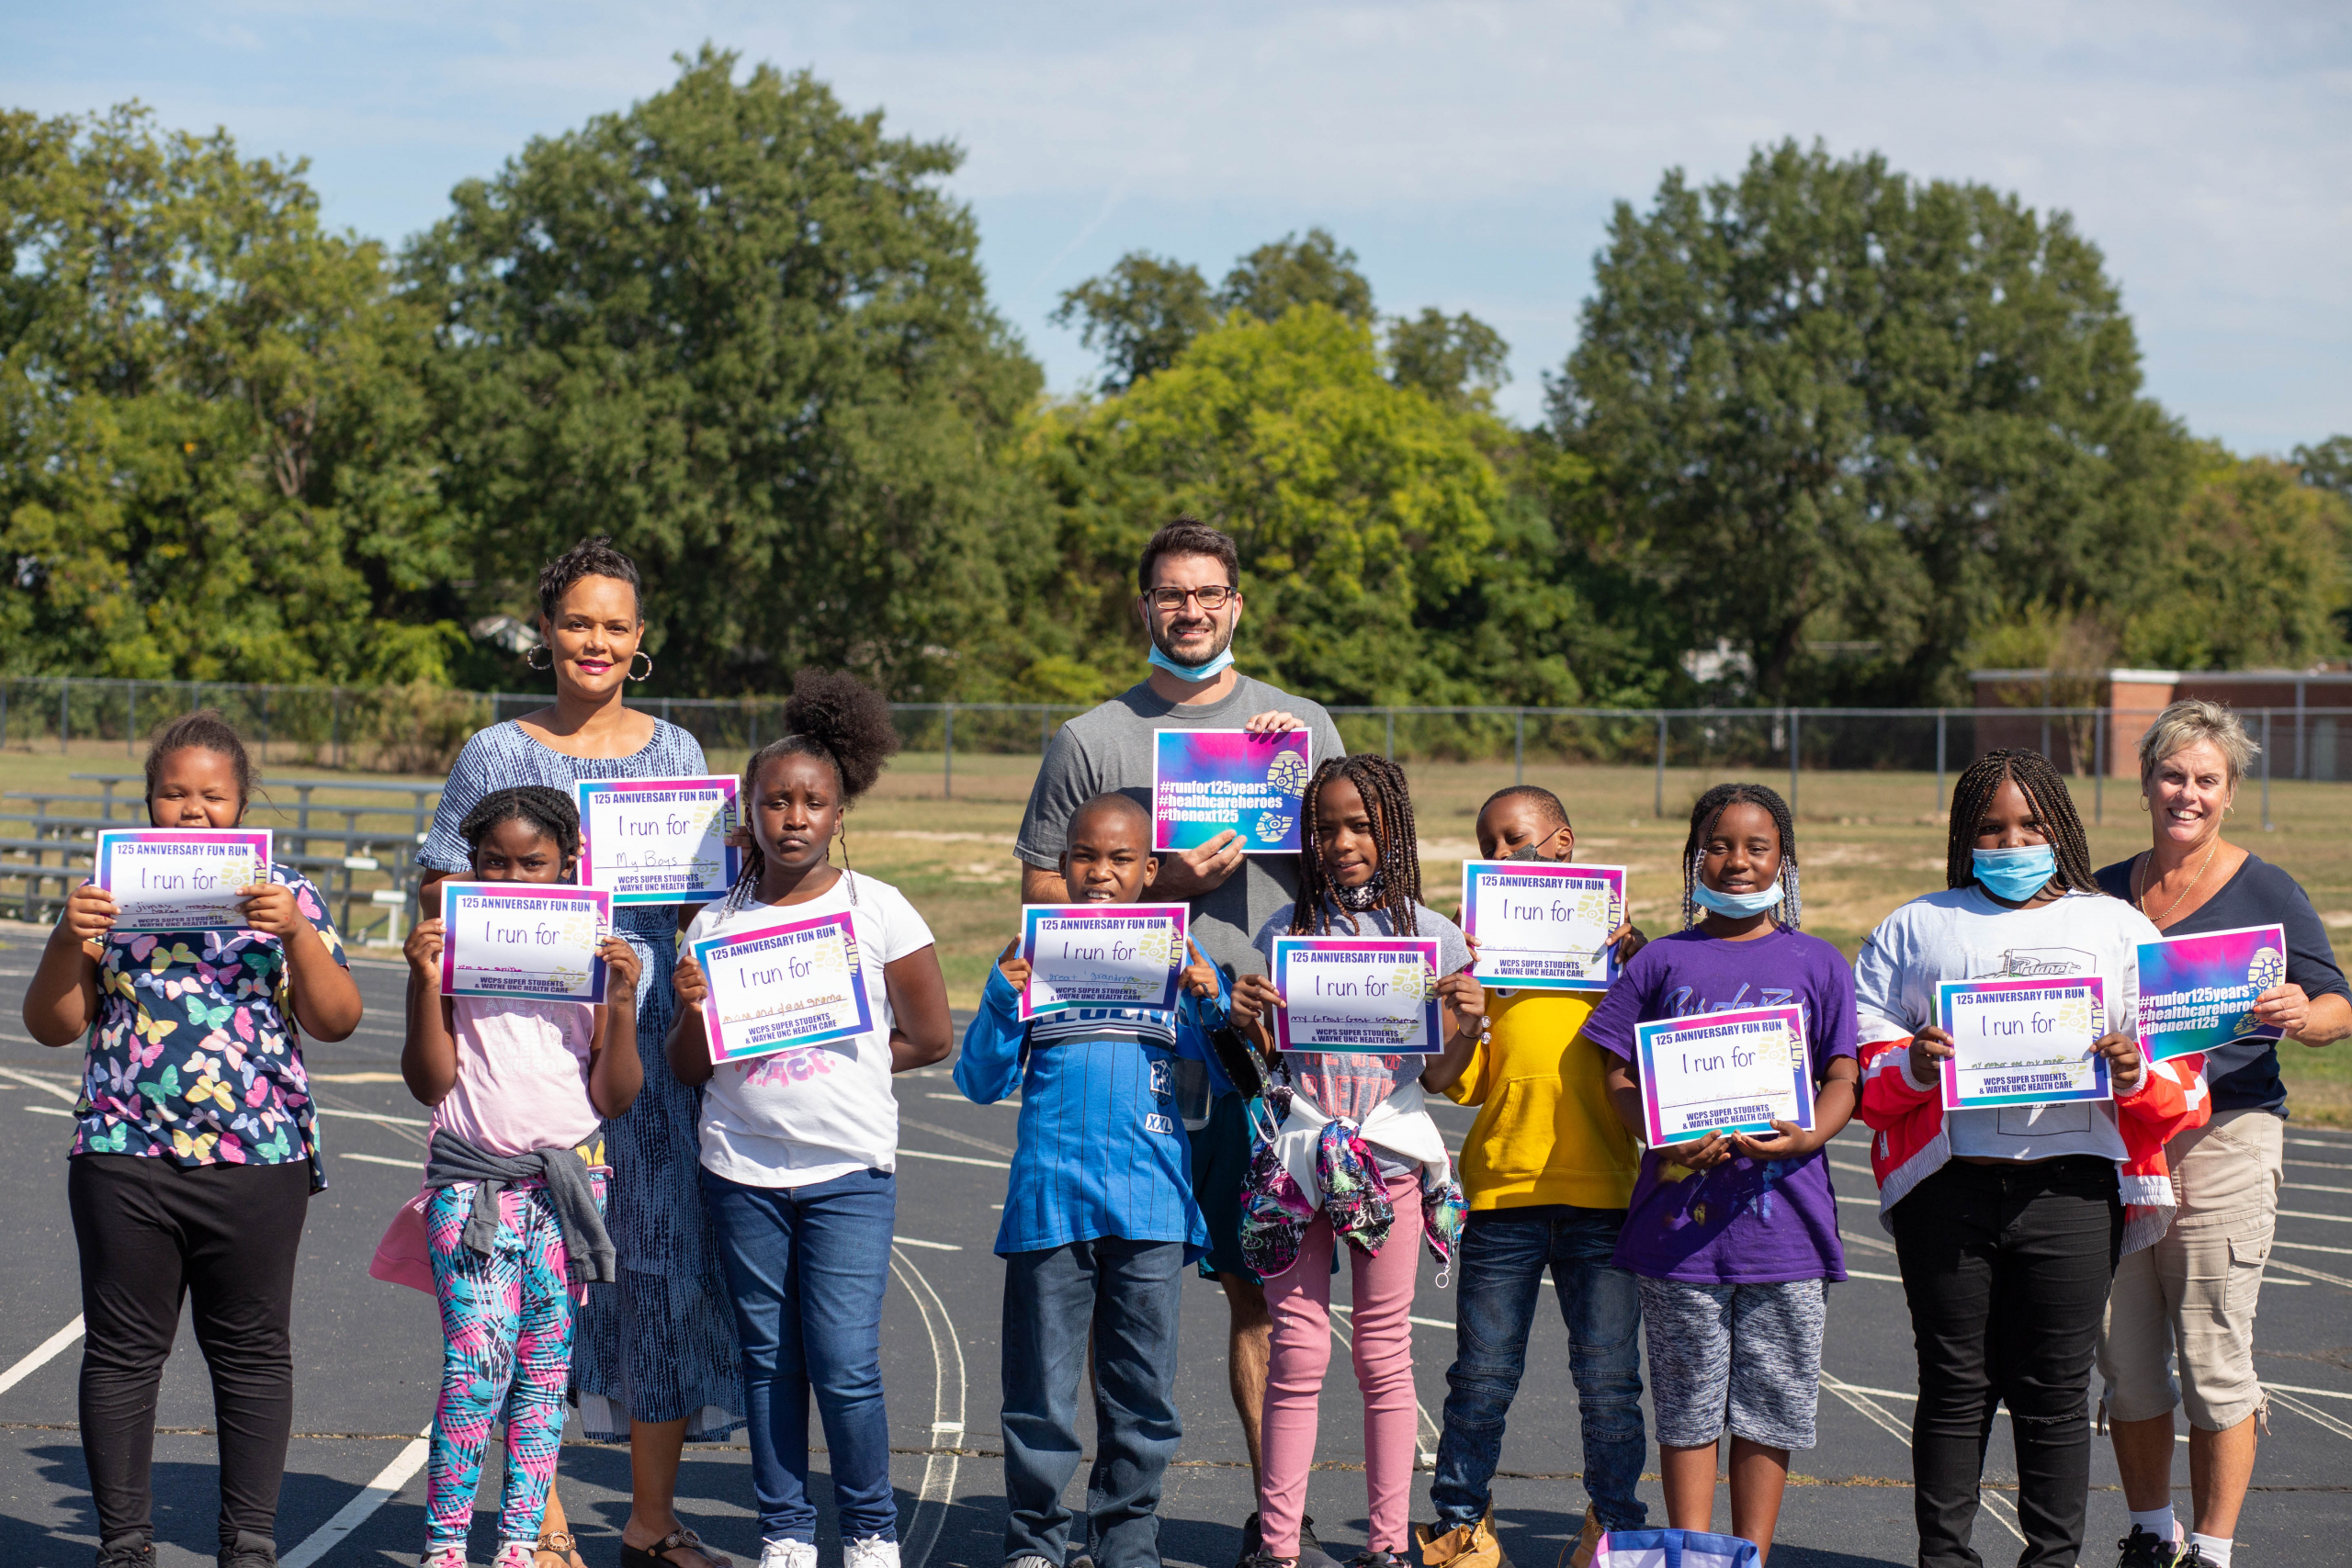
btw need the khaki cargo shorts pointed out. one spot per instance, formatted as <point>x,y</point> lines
<point>2191,1296</point>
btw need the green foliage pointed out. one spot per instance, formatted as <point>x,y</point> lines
<point>1830,402</point>
<point>1455,359</point>
<point>1275,279</point>
<point>1385,557</point>
<point>1140,316</point>
<point>210,421</point>
<point>2250,574</point>
<point>2328,464</point>
<point>744,333</point>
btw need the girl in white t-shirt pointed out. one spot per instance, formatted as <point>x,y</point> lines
<point>512,1214</point>
<point>799,1146</point>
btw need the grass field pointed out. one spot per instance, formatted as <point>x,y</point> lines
<point>1868,841</point>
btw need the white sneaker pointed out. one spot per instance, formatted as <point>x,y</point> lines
<point>871,1552</point>
<point>787,1554</point>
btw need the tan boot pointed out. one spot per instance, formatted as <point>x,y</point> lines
<point>1464,1546</point>
<point>1579,1553</point>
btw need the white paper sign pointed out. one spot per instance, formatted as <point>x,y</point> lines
<point>181,879</point>
<point>783,987</point>
<point>524,939</point>
<point>1371,995</point>
<point>1117,955</point>
<point>1724,1072</point>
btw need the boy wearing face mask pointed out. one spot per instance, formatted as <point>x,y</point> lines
<point>1547,1171</point>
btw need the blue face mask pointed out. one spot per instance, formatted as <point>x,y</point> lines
<point>2016,874</point>
<point>1191,671</point>
<point>1738,906</point>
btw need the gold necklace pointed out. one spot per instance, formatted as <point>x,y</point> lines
<point>2185,892</point>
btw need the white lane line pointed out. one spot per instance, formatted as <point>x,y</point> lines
<point>956,1159</point>
<point>373,1116</point>
<point>1866,1274</point>
<point>934,1246</point>
<point>417,1165</point>
<point>2310,1247</point>
<point>960,1099</point>
<point>1879,1416</point>
<point>2321,1393</point>
<point>49,1348</point>
<point>2306,1187</point>
<point>50,1110</point>
<point>2301,1214</point>
<point>34,1081</point>
<point>938,1487</point>
<point>374,1495</point>
<point>2309,1411</point>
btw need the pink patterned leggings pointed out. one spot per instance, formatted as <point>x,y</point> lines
<point>1381,1335</point>
<point>508,1319</point>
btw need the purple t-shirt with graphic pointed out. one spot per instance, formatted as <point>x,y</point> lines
<point>1747,1221</point>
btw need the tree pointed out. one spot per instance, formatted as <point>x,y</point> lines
<point>211,420</point>
<point>2328,464</point>
<point>1455,359</point>
<point>1289,272</point>
<point>1140,316</point>
<point>744,333</point>
<point>1824,396</point>
<point>2251,575</point>
<point>1384,557</point>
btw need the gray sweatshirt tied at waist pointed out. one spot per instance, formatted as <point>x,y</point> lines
<point>588,1248</point>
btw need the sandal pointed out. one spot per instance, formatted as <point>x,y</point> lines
<point>559,1544</point>
<point>657,1554</point>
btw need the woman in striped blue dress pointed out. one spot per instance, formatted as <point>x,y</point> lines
<point>657,1357</point>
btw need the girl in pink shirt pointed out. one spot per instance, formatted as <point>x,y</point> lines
<point>516,1085</point>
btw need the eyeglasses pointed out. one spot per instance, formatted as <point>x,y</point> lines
<point>1212,597</point>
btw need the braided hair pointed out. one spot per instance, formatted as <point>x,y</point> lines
<point>1708,815</point>
<point>1382,784</point>
<point>552,811</point>
<point>2045,792</point>
<point>832,716</point>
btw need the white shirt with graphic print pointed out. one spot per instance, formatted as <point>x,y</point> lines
<point>1961,934</point>
<point>821,1111</point>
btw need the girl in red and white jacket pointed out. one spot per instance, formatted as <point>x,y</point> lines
<point>2008,1221</point>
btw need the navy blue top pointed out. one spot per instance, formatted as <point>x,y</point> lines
<point>1102,1152</point>
<point>2244,1075</point>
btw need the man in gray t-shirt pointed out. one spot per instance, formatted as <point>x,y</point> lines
<point>1190,603</point>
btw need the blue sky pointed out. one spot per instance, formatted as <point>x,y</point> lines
<point>1469,152</point>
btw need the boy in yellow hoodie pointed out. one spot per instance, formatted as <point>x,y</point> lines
<point>1547,1169</point>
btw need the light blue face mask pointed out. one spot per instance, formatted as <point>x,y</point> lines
<point>2016,874</point>
<point>1191,671</point>
<point>1738,906</point>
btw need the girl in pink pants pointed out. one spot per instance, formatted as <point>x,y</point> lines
<point>1352,1153</point>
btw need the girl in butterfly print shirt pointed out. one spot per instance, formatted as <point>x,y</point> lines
<point>194,1152</point>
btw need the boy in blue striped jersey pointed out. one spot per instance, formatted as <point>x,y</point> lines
<point>1100,1222</point>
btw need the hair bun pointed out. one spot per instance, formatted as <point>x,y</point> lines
<point>849,718</point>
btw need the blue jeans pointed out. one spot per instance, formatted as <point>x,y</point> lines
<point>807,1267</point>
<point>1503,1255</point>
<point>1126,1293</point>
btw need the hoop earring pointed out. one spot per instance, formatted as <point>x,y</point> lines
<point>2144,803</point>
<point>640,653</point>
<point>530,663</point>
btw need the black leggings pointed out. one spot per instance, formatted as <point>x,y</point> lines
<point>151,1235</point>
<point>2007,1269</point>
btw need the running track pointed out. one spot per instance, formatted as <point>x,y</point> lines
<point>368,1358</point>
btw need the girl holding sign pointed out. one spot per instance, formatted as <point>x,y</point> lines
<point>1733,1227</point>
<point>799,1144</point>
<point>1354,1153</point>
<point>194,1153</point>
<point>515,1187</point>
<point>2008,1218</point>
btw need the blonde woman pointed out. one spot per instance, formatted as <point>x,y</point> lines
<point>2191,1295</point>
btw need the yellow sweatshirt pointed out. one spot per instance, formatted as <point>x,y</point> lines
<point>1545,1132</point>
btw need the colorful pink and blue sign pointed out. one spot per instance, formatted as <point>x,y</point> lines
<point>2023,1041</point>
<point>180,879</point>
<point>1724,1072</point>
<point>783,988</point>
<point>659,840</point>
<point>1207,781</point>
<point>536,940</point>
<point>2198,992</point>
<point>1358,995</point>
